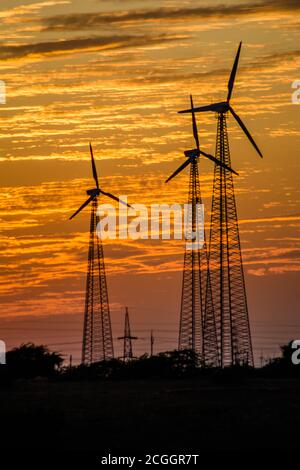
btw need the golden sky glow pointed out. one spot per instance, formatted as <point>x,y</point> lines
<point>116,73</point>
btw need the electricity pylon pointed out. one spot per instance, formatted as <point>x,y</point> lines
<point>127,338</point>
<point>225,258</point>
<point>197,330</point>
<point>97,344</point>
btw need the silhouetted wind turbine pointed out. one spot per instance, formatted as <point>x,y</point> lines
<point>97,335</point>
<point>195,153</point>
<point>225,257</point>
<point>197,330</point>
<point>95,192</point>
<point>224,106</point>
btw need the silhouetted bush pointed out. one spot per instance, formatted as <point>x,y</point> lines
<point>283,366</point>
<point>169,364</point>
<point>97,370</point>
<point>29,360</point>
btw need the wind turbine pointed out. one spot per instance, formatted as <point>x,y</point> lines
<point>197,330</point>
<point>225,258</point>
<point>225,106</point>
<point>97,342</point>
<point>95,192</point>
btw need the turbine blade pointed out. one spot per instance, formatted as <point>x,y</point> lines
<point>115,198</point>
<point>233,72</point>
<point>218,162</point>
<point>200,109</point>
<point>184,165</point>
<point>82,206</point>
<point>94,167</point>
<point>195,130</point>
<point>242,125</point>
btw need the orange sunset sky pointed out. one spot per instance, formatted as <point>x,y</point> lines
<point>116,72</point>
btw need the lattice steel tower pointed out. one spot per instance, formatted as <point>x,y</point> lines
<point>225,259</point>
<point>127,338</point>
<point>97,344</point>
<point>197,329</point>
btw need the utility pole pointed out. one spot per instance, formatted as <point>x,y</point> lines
<point>151,343</point>
<point>262,359</point>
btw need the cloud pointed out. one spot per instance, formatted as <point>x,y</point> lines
<point>77,21</point>
<point>96,43</point>
<point>29,9</point>
<point>285,60</point>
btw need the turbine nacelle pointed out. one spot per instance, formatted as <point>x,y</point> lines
<point>222,107</point>
<point>93,192</point>
<point>192,153</point>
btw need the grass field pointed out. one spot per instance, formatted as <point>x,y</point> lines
<point>151,415</point>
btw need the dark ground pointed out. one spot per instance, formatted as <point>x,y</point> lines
<point>146,416</point>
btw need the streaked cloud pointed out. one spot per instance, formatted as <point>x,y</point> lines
<point>97,43</point>
<point>79,21</point>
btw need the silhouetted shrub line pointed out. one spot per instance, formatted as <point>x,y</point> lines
<point>31,362</point>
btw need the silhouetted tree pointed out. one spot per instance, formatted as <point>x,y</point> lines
<point>287,351</point>
<point>181,362</point>
<point>163,365</point>
<point>29,360</point>
<point>283,366</point>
